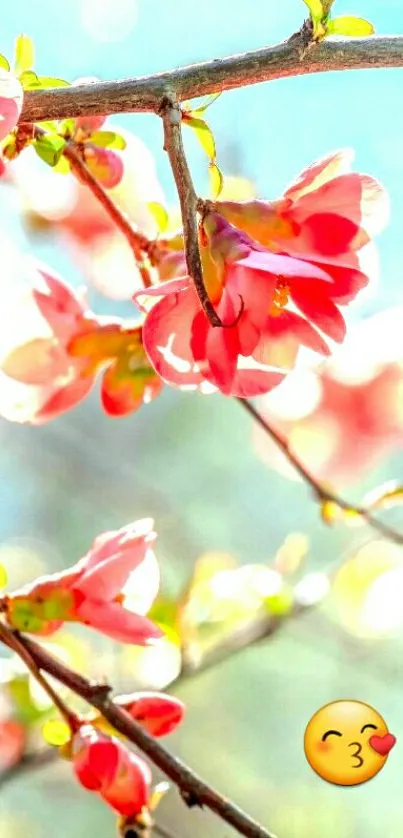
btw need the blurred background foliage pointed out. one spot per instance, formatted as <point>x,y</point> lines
<point>195,464</point>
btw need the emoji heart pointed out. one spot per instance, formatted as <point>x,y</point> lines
<point>382,744</point>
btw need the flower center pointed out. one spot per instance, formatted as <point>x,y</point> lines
<point>280,299</point>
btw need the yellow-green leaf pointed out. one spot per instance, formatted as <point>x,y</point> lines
<point>50,148</point>
<point>108,139</point>
<point>28,79</point>
<point>3,576</point>
<point>62,167</point>
<point>203,133</point>
<point>4,63</point>
<point>316,9</point>
<point>350,27</point>
<point>207,103</point>
<point>216,179</point>
<point>47,82</point>
<point>24,54</point>
<point>56,732</point>
<point>159,214</point>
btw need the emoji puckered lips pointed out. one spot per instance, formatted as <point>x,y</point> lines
<point>347,742</point>
<point>382,744</point>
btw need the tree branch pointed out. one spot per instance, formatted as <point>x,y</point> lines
<point>146,93</point>
<point>322,493</point>
<point>173,145</point>
<point>193,789</point>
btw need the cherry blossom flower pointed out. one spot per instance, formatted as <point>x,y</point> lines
<point>54,346</point>
<point>241,278</point>
<point>93,591</point>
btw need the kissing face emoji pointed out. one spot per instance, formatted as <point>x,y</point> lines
<point>347,742</point>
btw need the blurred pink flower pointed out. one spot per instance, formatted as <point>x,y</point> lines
<point>11,99</point>
<point>55,346</point>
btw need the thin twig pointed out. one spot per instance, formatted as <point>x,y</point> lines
<point>14,641</point>
<point>138,242</point>
<point>193,789</point>
<point>146,93</point>
<point>173,145</point>
<point>321,492</point>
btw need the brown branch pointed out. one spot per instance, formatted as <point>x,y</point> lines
<point>193,789</point>
<point>146,93</point>
<point>173,145</point>
<point>321,492</point>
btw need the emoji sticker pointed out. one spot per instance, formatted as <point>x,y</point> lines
<point>347,742</point>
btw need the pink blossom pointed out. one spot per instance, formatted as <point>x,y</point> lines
<point>93,591</point>
<point>105,765</point>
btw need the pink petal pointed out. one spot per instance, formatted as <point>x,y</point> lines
<point>254,382</point>
<point>323,170</point>
<point>172,286</point>
<point>11,99</point>
<point>106,570</point>
<point>282,265</point>
<point>167,338</point>
<point>282,338</point>
<point>40,361</point>
<point>347,283</point>
<point>253,289</point>
<point>128,792</point>
<point>216,349</point>
<point>62,400</point>
<point>314,302</point>
<point>95,758</point>
<point>60,295</point>
<point>116,622</point>
<point>359,198</point>
<point>108,543</point>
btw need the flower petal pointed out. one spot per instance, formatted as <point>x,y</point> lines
<point>116,622</point>
<point>313,300</point>
<point>323,170</point>
<point>167,338</point>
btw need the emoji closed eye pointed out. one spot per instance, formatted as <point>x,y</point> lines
<point>373,727</point>
<point>330,733</point>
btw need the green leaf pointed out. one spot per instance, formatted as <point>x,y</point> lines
<point>206,104</point>
<point>24,707</point>
<point>4,63</point>
<point>50,148</point>
<point>62,166</point>
<point>108,139</point>
<point>203,133</point>
<point>159,214</point>
<point>28,79</point>
<point>51,127</point>
<point>216,179</point>
<point>316,10</point>
<point>24,54</point>
<point>350,27</point>
<point>67,128</point>
<point>45,83</point>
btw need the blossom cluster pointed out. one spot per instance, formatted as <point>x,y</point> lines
<point>278,273</point>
